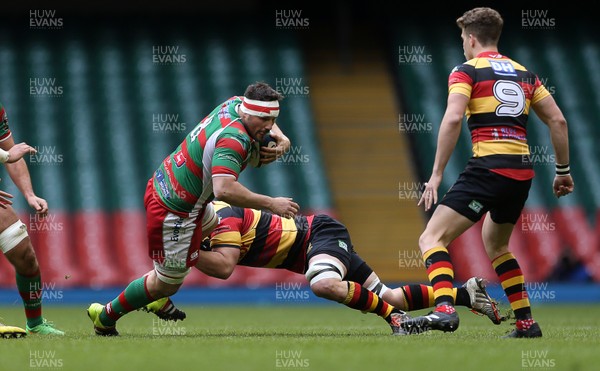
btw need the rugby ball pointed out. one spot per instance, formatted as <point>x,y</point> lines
<point>268,141</point>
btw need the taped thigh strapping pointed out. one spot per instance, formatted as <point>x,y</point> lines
<point>11,236</point>
<point>326,268</point>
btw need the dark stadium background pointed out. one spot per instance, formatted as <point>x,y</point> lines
<point>106,90</point>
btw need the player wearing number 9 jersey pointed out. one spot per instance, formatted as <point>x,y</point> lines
<point>500,93</point>
<point>496,94</point>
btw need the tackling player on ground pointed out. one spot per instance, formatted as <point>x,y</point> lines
<point>319,247</point>
<point>14,240</point>
<point>178,210</point>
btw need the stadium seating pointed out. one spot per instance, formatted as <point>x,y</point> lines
<point>111,112</point>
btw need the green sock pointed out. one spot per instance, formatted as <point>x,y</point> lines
<point>133,297</point>
<point>30,289</point>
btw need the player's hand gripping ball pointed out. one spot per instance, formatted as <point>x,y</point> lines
<point>268,141</point>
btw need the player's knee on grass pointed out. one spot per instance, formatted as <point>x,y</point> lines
<point>330,288</point>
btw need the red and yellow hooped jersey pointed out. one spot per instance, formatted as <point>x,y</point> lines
<point>264,239</point>
<point>500,93</point>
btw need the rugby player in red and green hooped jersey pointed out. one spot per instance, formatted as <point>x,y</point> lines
<point>14,240</point>
<point>179,214</point>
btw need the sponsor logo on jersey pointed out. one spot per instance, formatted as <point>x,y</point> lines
<point>160,178</point>
<point>177,229</point>
<point>224,112</point>
<point>503,68</point>
<point>179,159</point>
<point>225,156</point>
<point>221,228</point>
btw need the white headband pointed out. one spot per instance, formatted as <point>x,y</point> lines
<point>260,108</point>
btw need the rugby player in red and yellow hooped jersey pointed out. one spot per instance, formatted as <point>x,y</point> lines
<point>319,247</point>
<point>496,93</point>
<point>500,93</point>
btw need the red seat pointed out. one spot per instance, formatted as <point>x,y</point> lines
<point>129,243</point>
<point>98,260</point>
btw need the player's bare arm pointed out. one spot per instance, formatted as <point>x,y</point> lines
<point>268,155</point>
<point>19,174</point>
<point>218,263</point>
<point>551,115</point>
<point>447,138</point>
<point>228,189</point>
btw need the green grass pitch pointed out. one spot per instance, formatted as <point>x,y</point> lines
<point>329,337</point>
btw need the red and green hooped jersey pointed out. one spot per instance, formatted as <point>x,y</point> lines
<point>4,129</point>
<point>218,146</point>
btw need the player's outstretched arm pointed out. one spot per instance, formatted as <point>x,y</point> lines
<point>228,189</point>
<point>551,115</point>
